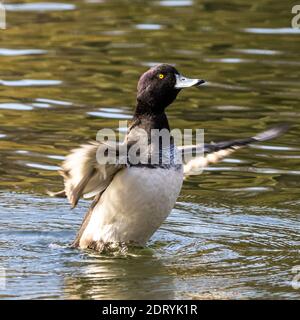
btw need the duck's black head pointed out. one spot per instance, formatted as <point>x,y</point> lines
<point>159,87</point>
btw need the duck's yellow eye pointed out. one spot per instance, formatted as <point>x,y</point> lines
<point>161,76</point>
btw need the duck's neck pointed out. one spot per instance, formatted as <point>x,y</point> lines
<point>148,120</point>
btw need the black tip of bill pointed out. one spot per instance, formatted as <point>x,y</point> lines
<point>200,82</point>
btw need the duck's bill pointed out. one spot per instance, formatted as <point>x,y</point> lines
<point>184,82</point>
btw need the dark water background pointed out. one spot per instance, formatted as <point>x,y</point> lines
<point>70,69</point>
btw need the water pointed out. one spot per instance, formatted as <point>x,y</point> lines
<point>70,69</point>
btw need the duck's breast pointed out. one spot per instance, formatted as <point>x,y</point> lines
<point>134,205</point>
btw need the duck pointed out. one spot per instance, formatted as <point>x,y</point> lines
<point>131,199</point>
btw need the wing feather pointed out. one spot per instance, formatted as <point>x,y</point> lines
<point>83,175</point>
<point>215,152</point>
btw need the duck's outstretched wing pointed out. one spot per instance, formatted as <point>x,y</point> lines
<point>83,175</point>
<point>215,152</point>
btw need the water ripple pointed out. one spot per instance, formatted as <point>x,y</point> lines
<point>41,105</point>
<point>55,102</point>
<point>42,166</point>
<point>258,51</point>
<point>254,170</point>
<point>227,60</point>
<point>176,3</point>
<point>272,30</point>
<point>111,113</point>
<point>15,106</point>
<point>29,83</point>
<point>148,26</point>
<point>39,6</point>
<point>20,52</point>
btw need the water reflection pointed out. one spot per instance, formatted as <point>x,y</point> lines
<point>142,276</point>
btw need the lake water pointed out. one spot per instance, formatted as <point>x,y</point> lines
<point>70,69</point>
